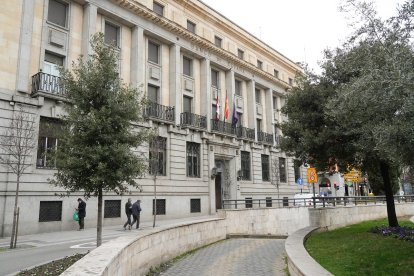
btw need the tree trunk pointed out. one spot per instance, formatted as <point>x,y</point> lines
<point>155,201</point>
<point>13,239</point>
<point>385,173</point>
<point>99,223</point>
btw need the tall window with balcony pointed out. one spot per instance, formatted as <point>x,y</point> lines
<point>112,34</point>
<point>265,167</point>
<point>187,66</point>
<point>191,26</point>
<point>158,8</point>
<point>49,133</point>
<point>245,165</point>
<point>158,156</point>
<point>214,78</point>
<point>52,63</point>
<point>257,95</point>
<point>238,87</point>
<point>240,121</point>
<point>153,52</point>
<point>218,41</point>
<point>282,170</point>
<point>58,13</point>
<point>193,159</point>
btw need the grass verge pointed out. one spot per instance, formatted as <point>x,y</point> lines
<point>353,250</point>
<point>53,268</point>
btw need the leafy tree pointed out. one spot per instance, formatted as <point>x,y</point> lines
<point>96,153</point>
<point>365,112</point>
<point>17,144</point>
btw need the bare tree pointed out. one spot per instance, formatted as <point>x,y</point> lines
<point>17,145</point>
<point>275,176</point>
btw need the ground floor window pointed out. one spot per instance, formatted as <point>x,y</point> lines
<point>161,206</point>
<point>265,167</point>
<point>249,202</point>
<point>245,165</point>
<point>195,205</point>
<point>193,159</point>
<point>50,211</point>
<point>112,209</point>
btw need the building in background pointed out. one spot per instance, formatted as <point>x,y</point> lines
<point>192,63</point>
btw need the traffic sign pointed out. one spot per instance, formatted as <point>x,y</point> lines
<point>299,181</point>
<point>312,176</point>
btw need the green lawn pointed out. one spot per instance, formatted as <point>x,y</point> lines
<point>353,250</point>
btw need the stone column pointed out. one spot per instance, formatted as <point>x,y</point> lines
<point>90,12</point>
<point>205,90</point>
<point>138,57</point>
<point>25,46</point>
<point>175,81</point>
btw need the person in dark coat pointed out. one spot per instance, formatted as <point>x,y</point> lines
<point>136,210</point>
<point>128,212</point>
<point>81,213</point>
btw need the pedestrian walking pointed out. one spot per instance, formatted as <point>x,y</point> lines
<point>81,213</point>
<point>136,210</point>
<point>128,212</point>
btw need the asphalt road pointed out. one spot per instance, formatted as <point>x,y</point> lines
<point>43,248</point>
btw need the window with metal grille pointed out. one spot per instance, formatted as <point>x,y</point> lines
<point>112,209</point>
<point>285,201</point>
<point>57,13</point>
<point>111,34</point>
<point>50,211</point>
<point>245,165</point>
<point>195,205</point>
<point>158,156</point>
<point>160,206</point>
<point>187,66</point>
<point>153,52</point>
<point>191,26</point>
<point>282,169</point>
<point>265,167</point>
<point>249,202</point>
<point>193,159</point>
<point>218,41</point>
<point>240,53</point>
<point>238,87</point>
<point>49,133</point>
<point>158,8</point>
<point>268,202</point>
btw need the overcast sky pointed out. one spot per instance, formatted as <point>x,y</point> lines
<point>299,29</point>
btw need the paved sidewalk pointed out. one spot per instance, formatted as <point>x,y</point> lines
<point>241,257</point>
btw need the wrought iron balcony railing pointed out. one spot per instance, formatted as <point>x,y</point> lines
<point>47,84</point>
<point>193,120</point>
<point>265,138</point>
<point>160,112</point>
<point>245,133</point>
<point>222,127</point>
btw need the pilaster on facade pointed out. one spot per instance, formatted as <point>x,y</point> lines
<point>138,57</point>
<point>251,104</point>
<point>205,90</point>
<point>90,13</point>
<point>175,80</point>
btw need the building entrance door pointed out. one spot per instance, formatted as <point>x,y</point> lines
<point>219,192</point>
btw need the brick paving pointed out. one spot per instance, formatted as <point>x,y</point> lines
<point>241,257</point>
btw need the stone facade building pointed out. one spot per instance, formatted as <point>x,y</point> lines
<point>188,59</point>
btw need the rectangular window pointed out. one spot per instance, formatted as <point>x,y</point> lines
<point>259,64</point>
<point>268,202</point>
<point>49,132</point>
<point>245,165</point>
<point>112,209</point>
<point>257,94</point>
<point>158,8</point>
<point>240,121</point>
<point>214,111</point>
<point>153,93</point>
<point>274,103</point>
<point>249,202</point>
<point>57,13</point>
<point>153,52</point>
<point>276,73</point>
<point>50,211</point>
<point>187,104</point>
<point>265,167</point>
<point>52,63</point>
<point>191,26</point>
<point>282,169</point>
<point>290,81</point>
<point>195,205</point>
<point>111,34</point>
<point>161,206</point>
<point>238,87</point>
<point>240,53</point>
<point>193,159</point>
<point>258,125</point>
<point>187,66</point>
<point>214,78</point>
<point>296,168</point>
<point>218,41</point>
<point>158,156</point>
